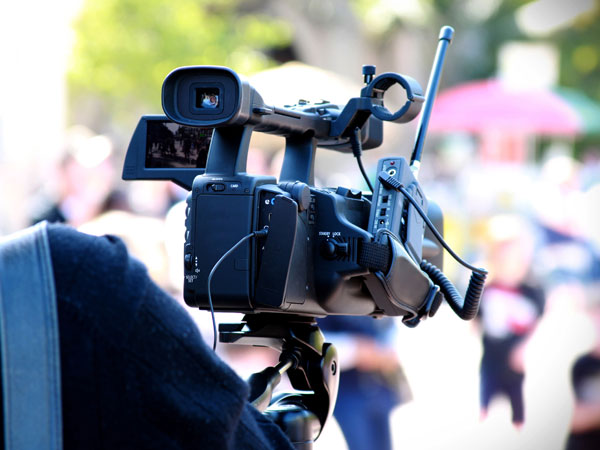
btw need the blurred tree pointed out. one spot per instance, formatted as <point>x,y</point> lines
<point>341,35</point>
<point>123,49</point>
<point>483,26</point>
<point>580,53</point>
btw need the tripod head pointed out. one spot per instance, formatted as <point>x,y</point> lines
<point>311,364</point>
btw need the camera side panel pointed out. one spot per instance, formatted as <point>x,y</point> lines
<point>340,220</point>
<point>391,211</point>
<point>219,214</point>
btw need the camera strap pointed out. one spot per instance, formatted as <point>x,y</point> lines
<point>31,388</point>
<point>374,256</point>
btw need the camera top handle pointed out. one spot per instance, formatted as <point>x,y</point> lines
<point>236,109</point>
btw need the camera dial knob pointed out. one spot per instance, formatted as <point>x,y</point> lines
<point>368,71</point>
<point>331,249</point>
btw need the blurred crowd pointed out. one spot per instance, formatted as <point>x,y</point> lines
<point>528,368</point>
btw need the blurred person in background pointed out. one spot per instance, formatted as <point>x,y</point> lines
<point>83,182</point>
<point>569,261</point>
<point>82,193</point>
<point>511,306</point>
<point>568,253</point>
<point>372,382</point>
<point>585,376</point>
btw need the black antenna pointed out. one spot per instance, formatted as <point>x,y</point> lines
<point>446,34</point>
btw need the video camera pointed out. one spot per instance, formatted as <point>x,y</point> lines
<point>284,251</point>
<point>315,251</point>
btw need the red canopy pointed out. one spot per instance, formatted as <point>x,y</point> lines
<point>491,106</point>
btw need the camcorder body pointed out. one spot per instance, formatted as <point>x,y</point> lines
<point>284,251</point>
<point>255,244</point>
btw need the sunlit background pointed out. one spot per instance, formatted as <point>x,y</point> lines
<point>512,157</point>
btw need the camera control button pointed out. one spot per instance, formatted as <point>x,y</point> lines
<point>218,187</point>
<point>328,249</point>
<point>188,261</point>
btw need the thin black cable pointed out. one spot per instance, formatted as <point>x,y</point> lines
<point>356,143</point>
<point>210,275</point>
<point>364,173</point>
<point>387,179</point>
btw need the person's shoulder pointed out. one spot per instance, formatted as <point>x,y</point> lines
<point>93,264</point>
<point>96,279</point>
<point>72,246</point>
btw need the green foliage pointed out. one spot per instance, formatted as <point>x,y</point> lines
<point>124,48</point>
<point>580,54</point>
<point>482,28</point>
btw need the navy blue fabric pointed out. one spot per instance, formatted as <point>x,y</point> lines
<point>135,371</point>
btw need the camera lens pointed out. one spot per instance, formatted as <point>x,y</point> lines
<point>207,98</point>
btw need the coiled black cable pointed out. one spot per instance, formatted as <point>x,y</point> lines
<point>465,308</point>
